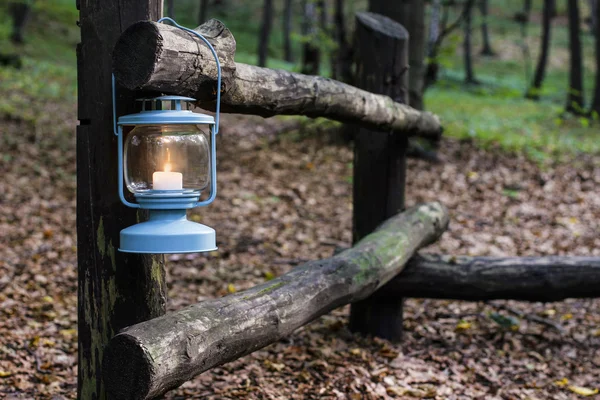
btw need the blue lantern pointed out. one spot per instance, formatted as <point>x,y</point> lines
<point>167,159</point>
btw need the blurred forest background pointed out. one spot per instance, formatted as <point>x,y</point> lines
<point>482,96</point>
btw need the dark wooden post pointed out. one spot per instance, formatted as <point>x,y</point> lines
<point>379,160</point>
<point>115,289</point>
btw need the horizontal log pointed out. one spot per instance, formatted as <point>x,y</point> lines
<point>146,360</point>
<point>159,57</point>
<point>551,278</point>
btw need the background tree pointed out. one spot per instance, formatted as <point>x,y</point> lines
<point>575,91</point>
<point>540,70</point>
<point>171,8</point>
<point>467,47</point>
<point>311,55</point>
<point>525,15</point>
<point>593,18</point>
<point>440,28</point>
<point>432,67</point>
<point>595,108</point>
<point>265,32</point>
<point>20,11</point>
<point>411,15</point>
<point>341,62</point>
<point>287,31</point>
<point>203,11</point>
<point>485,34</point>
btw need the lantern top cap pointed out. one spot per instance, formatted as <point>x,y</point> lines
<point>153,113</point>
<point>166,98</point>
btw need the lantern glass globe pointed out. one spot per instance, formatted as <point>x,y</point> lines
<point>167,157</point>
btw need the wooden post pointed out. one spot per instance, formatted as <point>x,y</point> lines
<point>379,160</point>
<point>115,289</point>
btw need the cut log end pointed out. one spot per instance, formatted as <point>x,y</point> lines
<point>382,24</point>
<point>142,39</point>
<point>129,368</point>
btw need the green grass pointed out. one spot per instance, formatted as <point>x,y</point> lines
<point>513,123</point>
<point>48,74</point>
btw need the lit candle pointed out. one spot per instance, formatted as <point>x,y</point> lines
<point>167,180</point>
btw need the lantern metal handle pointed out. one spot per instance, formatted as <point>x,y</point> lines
<point>214,53</point>
<point>118,131</point>
<point>215,128</point>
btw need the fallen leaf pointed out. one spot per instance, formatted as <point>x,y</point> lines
<point>269,275</point>
<point>562,382</point>
<point>567,317</point>
<point>583,391</point>
<point>4,374</point>
<point>463,326</point>
<point>231,288</point>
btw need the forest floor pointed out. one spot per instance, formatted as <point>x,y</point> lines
<point>285,197</point>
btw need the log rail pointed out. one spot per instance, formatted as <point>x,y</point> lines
<point>146,360</point>
<point>173,61</point>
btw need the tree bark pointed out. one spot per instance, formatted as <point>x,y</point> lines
<point>287,32</point>
<point>540,70</point>
<point>575,102</point>
<point>595,108</point>
<point>203,12</point>
<point>467,51</point>
<point>411,15</point>
<point>171,61</point>
<point>265,32</point>
<point>551,278</point>
<point>379,159</point>
<point>485,34</point>
<point>114,289</point>
<point>146,360</point>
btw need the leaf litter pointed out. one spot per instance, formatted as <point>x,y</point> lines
<point>284,199</point>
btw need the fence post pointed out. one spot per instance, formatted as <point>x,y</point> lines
<point>114,289</point>
<point>379,160</point>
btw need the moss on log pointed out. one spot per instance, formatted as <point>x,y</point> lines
<point>170,60</point>
<point>146,360</point>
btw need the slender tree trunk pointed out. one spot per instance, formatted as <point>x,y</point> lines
<point>287,32</point>
<point>485,34</point>
<point>575,101</point>
<point>593,16</point>
<point>469,73</point>
<point>341,62</point>
<point>171,8</point>
<point>431,71</point>
<point>265,32</point>
<point>311,56</point>
<point>203,12</point>
<point>540,70</point>
<point>595,108</point>
<point>20,12</point>
<point>524,44</point>
<point>411,15</point>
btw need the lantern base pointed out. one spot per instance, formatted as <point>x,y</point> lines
<point>168,232</point>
